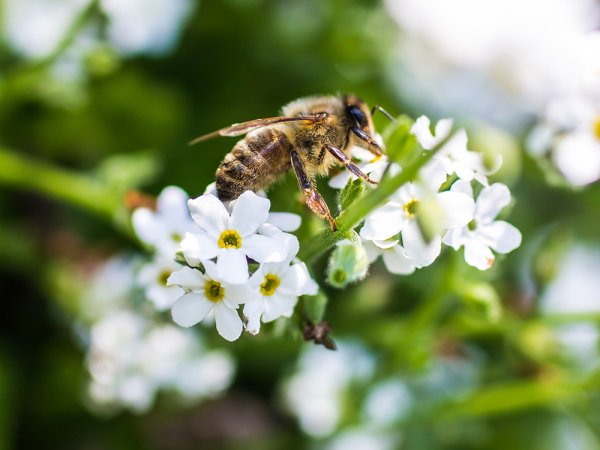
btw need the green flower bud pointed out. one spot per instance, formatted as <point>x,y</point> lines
<point>348,263</point>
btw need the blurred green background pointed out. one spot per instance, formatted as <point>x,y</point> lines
<point>83,125</point>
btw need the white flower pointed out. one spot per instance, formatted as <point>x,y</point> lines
<point>315,392</point>
<point>206,293</point>
<point>577,153</point>
<point>453,158</point>
<point>145,26</point>
<point>483,233</point>
<point>279,285</point>
<point>164,228</point>
<point>399,215</point>
<point>393,255</point>
<point>153,278</point>
<point>231,238</point>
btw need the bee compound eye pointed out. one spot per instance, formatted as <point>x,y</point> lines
<point>358,115</point>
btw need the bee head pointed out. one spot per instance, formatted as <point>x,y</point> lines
<point>357,113</point>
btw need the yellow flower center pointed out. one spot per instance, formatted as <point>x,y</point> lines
<point>472,225</point>
<point>597,127</point>
<point>410,208</point>
<point>269,285</point>
<point>163,277</point>
<point>230,239</point>
<point>214,291</point>
<point>176,237</point>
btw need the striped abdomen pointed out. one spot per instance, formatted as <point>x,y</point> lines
<point>254,163</point>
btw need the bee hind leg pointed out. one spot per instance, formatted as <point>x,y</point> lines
<point>313,199</point>
<point>348,163</point>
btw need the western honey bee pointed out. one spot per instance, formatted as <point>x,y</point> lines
<point>311,136</point>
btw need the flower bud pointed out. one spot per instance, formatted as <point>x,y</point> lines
<point>348,263</point>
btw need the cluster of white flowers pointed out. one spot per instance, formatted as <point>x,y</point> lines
<point>218,242</point>
<point>131,356</point>
<point>569,129</point>
<point>395,230</point>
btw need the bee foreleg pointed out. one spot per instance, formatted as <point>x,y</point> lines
<point>372,146</point>
<point>348,163</point>
<point>313,199</point>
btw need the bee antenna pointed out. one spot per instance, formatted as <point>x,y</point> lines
<point>383,111</point>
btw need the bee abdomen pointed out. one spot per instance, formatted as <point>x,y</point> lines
<point>254,163</point>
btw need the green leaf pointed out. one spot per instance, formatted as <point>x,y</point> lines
<point>352,191</point>
<point>122,172</point>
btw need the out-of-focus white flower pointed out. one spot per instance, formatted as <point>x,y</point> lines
<point>35,27</point>
<point>387,402</point>
<point>230,238</point>
<point>361,438</point>
<point>486,59</point>
<point>575,291</point>
<point>206,292</point>
<point>145,26</point>
<point>153,278</point>
<point>454,157</point>
<point>279,285</point>
<point>164,228</point>
<point>484,234</point>
<point>577,154</point>
<point>315,392</point>
<point>130,358</point>
<point>399,216</point>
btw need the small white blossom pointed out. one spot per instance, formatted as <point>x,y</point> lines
<point>164,228</point>
<point>454,157</point>
<point>278,286</point>
<point>484,234</point>
<point>153,278</point>
<point>399,216</point>
<point>231,238</point>
<point>207,292</point>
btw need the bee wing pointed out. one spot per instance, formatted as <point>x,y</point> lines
<point>238,129</point>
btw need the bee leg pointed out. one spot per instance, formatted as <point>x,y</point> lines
<point>348,163</point>
<point>313,199</point>
<point>372,146</point>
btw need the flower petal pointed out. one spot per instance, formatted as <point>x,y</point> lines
<point>237,294</point>
<point>209,213</point>
<point>458,208</point>
<point>232,266</point>
<point>253,312</point>
<point>490,202</point>
<point>504,237</point>
<point>198,247</point>
<point>277,306</point>
<point>285,221</point>
<point>420,252</point>
<point>172,204</point>
<point>249,212</point>
<point>229,324</point>
<point>383,223</point>
<point>187,278</point>
<point>190,309</point>
<point>264,249</point>
<point>397,262</point>
<point>163,297</point>
<point>455,237</point>
<point>147,227</point>
<point>297,281</point>
<point>478,255</point>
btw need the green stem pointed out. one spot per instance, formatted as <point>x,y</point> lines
<point>356,212</point>
<point>84,191</point>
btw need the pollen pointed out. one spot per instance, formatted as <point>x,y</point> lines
<point>230,239</point>
<point>269,285</point>
<point>597,127</point>
<point>410,208</point>
<point>163,277</point>
<point>214,291</point>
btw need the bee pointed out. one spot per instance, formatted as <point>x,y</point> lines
<point>312,135</point>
